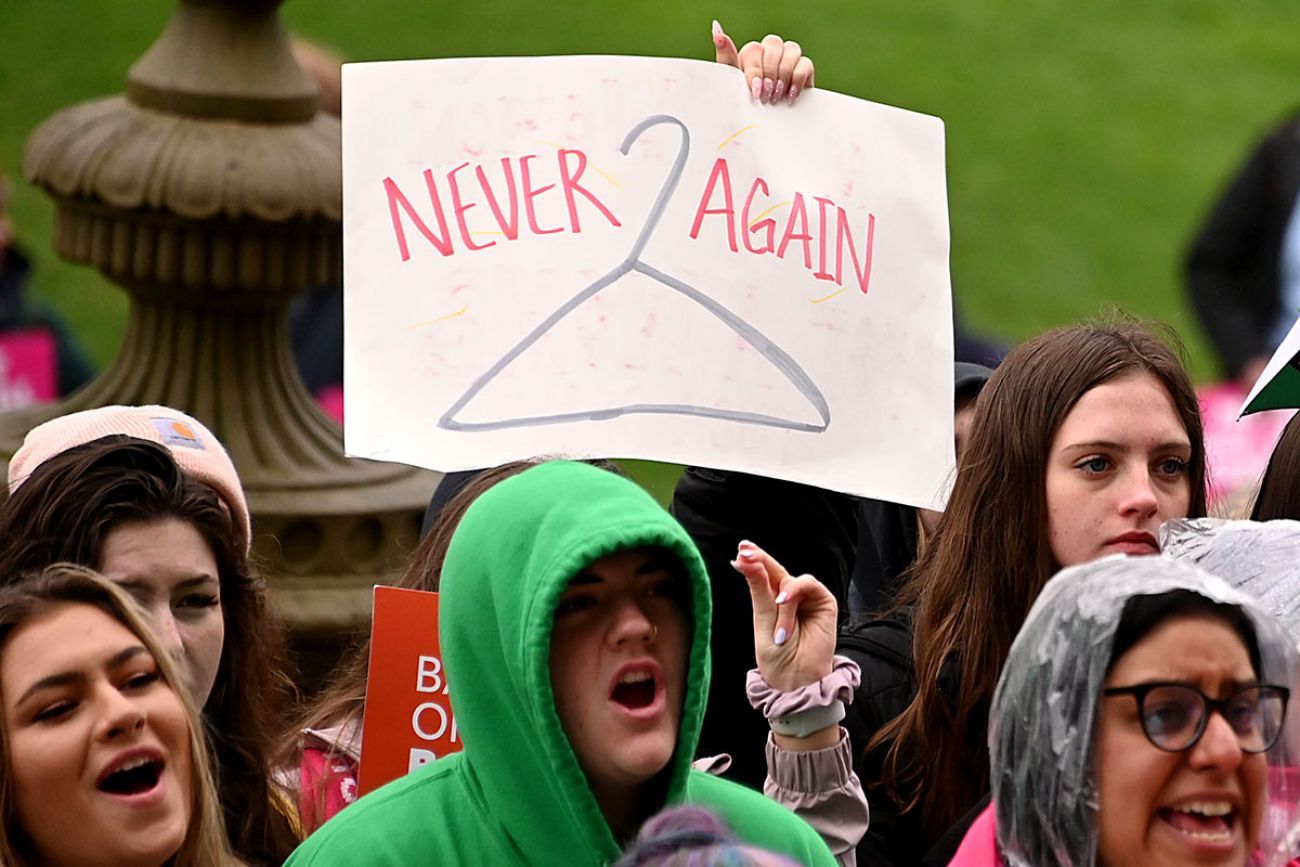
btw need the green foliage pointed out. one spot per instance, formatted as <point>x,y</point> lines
<point>1085,139</point>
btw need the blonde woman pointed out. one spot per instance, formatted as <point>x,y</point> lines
<point>102,758</point>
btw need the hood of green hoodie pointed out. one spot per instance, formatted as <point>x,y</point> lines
<point>512,556</point>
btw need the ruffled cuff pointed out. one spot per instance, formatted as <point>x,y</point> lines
<point>836,686</point>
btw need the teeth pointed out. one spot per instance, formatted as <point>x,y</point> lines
<point>1210,837</point>
<point>132,765</point>
<point>635,677</point>
<point>1207,808</point>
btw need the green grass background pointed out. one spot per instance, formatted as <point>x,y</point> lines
<point>1085,139</point>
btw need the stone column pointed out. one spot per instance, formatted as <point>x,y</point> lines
<point>211,191</point>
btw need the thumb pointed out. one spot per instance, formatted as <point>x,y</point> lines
<point>724,49</point>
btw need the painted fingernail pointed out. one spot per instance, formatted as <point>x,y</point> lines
<point>735,564</point>
<point>749,554</point>
<point>768,86</point>
<point>780,90</point>
<point>718,37</point>
<point>780,600</point>
<point>756,88</point>
<point>794,92</point>
<point>780,637</point>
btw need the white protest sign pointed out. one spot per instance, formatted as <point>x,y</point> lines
<point>628,257</point>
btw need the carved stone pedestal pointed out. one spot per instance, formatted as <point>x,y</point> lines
<point>212,193</point>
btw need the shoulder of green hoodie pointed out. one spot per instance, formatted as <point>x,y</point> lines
<point>408,822</point>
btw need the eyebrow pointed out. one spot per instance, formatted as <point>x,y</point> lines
<point>657,561</point>
<point>1114,446</point>
<point>1230,684</point>
<point>68,677</point>
<point>133,584</point>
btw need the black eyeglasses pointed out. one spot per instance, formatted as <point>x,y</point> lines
<point>1174,715</point>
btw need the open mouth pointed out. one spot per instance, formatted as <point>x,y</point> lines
<point>133,778</point>
<point>1203,821</point>
<point>635,690</point>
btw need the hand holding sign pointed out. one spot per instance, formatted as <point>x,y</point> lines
<point>775,68</point>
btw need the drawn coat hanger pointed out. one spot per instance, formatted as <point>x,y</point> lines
<point>779,359</point>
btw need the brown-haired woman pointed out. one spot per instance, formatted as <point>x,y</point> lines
<point>1084,440</point>
<point>121,505</point>
<point>1279,490</point>
<point>102,759</point>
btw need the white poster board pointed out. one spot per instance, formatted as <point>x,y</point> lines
<point>628,257</point>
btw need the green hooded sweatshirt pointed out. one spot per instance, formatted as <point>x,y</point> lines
<point>515,794</point>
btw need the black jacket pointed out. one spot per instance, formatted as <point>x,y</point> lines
<point>882,649</point>
<point>1233,264</point>
<point>886,547</point>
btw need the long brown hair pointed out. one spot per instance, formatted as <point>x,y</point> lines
<point>1279,490</point>
<point>65,510</point>
<point>991,554</point>
<point>205,843</point>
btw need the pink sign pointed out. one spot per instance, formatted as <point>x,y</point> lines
<point>28,368</point>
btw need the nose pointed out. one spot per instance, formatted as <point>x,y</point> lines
<point>1218,747</point>
<point>120,716</point>
<point>168,632</point>
<point>631,625</point>
<point>1139,495</point>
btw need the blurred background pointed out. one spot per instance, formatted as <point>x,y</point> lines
<point>1085,141</point>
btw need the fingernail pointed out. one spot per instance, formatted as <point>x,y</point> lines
<point>757,88</point>
<point>780,637</point>
<point>718,36</point>
<point>767,89</point>
<point>749,554</point>
<point>780,90</point>
<point>794,92</point>
<point>780,600</point>
<point>735,564</point>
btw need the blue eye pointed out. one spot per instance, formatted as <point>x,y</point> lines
<point>1173,466</point>
<point>1096,465</point>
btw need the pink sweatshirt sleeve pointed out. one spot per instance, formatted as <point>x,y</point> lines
<point>822,788</point>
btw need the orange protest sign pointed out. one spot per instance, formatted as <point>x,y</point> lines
<point>408,721</point>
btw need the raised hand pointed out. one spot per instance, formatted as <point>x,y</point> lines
<point>775,68</point>
<point>794,621</point>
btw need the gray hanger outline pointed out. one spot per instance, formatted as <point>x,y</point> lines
<point>769,350</point>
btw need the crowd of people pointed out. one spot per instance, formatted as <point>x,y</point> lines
<point>1070,665</point>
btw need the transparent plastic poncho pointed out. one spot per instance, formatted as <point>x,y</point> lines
<point>1259,558</point>
<point>1041,736</point>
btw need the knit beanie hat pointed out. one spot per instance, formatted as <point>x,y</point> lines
<point>195,450</point>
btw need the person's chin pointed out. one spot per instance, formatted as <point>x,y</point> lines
<point>154,843</point>
<point>645,755</point>
<point>159,832</point>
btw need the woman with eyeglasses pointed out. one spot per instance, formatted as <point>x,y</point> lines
<point>1141,719</point>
